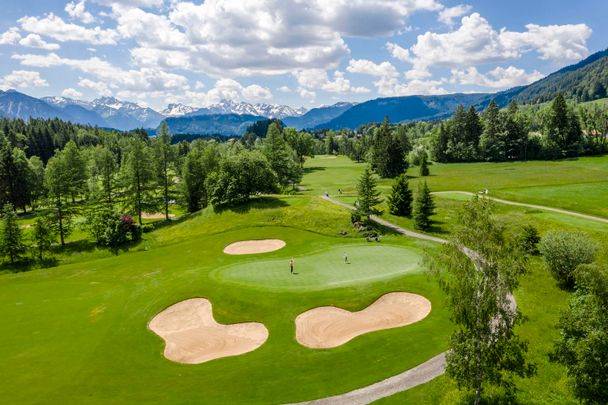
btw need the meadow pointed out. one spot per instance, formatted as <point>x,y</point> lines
<point>77,333</point>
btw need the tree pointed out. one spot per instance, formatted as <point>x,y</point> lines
<point>12,245</point>
<point>76,166</point>
<point>193,181</point>
<point>369,196</point>
<point>164,159</point>
<point>563,252</point>
<point>424,165</point>
<point>43,235</point>
<point>36,181</point>
<point>388,153</point>
<point>300,142</point>
<point>281,157</point>
<point>110,229</point>
<point>492,142</point>
<point>15,175</point>
<point>138,176</point>
<point>424,207</point>
<point>582,346</point>
<point>563,127</point>
<point>240,176</point>
<point>400,199</point>
<point>57,181</point>
<point>529,239</point>
<point>478,269</point>
<point>106,167</point>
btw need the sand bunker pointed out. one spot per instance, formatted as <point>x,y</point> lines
<point>146,215</point>
<point>192,336</point>
<point>248,247</point>
<point>327,327</point>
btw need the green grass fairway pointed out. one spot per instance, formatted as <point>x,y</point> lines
<point>367,263</point>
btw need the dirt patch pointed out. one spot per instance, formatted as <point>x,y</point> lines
<point>192,336</point>
<point>249,247</point>
<point>159,215</point>
<point>327,327</point>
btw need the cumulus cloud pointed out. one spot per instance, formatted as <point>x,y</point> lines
<point>388,83</point>
<point>284,89</point>
<point>78,12</point>
<point>54,27</point>
<point>35,41</point>
<point>398,52</point>
<point>22,79</point>
<point>10,37</point>
<point>71,93</point>
<point>311,79</point>
<point>99,88</point>
<point>447,15</point>
<point>476,42</point>
<point>130,3</point>
<point>498,78</point>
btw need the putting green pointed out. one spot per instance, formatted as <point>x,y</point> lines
<point>325,269</point>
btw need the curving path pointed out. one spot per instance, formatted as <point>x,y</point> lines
<point>540,207</point>
<point>420,374</point>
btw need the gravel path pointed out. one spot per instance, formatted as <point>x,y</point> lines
<point>540,207</point>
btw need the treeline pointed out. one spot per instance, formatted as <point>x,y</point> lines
<point>113,179</point>
<point>556,130</point>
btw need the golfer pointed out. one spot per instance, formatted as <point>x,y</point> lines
<point>291,264</point>
<point>345,258</point>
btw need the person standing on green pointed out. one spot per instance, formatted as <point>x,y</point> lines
<point>345,258</point>
<point>291,264</point>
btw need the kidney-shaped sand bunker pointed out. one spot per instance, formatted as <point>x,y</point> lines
<point>327,327</point>
<point>192,336</point>
<point>248,247</point>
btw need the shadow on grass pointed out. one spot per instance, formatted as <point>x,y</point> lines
<point>309,170</point>
<point>265,202</point>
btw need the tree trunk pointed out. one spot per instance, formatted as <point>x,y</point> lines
<point>166,193</point>
<point>60,214</point>
<point>139,200</point>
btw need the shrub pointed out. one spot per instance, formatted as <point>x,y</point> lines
<point>564,252</point>
<point>111,229</point>
<point>529,239</point>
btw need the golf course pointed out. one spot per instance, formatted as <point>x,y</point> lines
<point>81,333</point>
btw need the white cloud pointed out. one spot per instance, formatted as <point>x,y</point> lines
<point>398,52</point>
<point>476,42</point>
<point>447,15</point>
<point>388,83</point>
<point>54,27</point>
<point>99,88</point>
<point>10,37</point>
<point>130,3</point>
<point>78,12</point>
<point>311,95</point>
<point>311,79</point>
<point>35,41</point>
<point>22,79</point>
<point>284,89</point>
<point>71,93</point>
<point>498,78</point>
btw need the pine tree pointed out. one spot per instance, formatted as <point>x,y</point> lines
<point>164,160</point>
<point>281,156</point>
<point>193,181</point>
<point>138,176</point>
<point>57,181</point>
<point>12,245</point>
<point>369,196</point>
<point>400,199</point>
<point>42,235</point>
<point>563,127</point>
<point>106,167</point>
<point>492,143</point>
<point>424,165</point>
<point>424,207</point>
<point>76,167</point>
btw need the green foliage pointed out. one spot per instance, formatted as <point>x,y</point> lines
<point>368,195</point>
<point>424,166</point>
<point>76,169</point>
<point>57,181</point>
<point>111,229</point>
<point>193,181</point>
<point>164,161</point>
<point>564,252</point>
<point>478,269</point>
<point>11,244</point>
<point>400,199</point>
<point>15,175</point>
<point>240,176</point>
<point>43,235</point>
<point>529,239</point>
<point>583,341</point>
<point>424,207</point>
<point>389,151</point>
<point>281,156</point>
<point>138,176</point>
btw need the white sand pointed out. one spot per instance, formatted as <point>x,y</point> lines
<point>146,215</point>
<point>248,247</point>
<point>327,327</point>
<point>192,336</point>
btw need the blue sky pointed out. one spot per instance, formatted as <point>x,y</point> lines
<point>295,52</point>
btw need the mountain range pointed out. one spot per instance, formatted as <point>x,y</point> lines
<point>586,80</point>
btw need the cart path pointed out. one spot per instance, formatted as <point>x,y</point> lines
<point>539,207</point>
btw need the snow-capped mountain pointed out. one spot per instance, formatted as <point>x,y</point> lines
<point>62,102</point>
<point>260,109</point>
<point>177,110</point>
<point>125,114</point>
